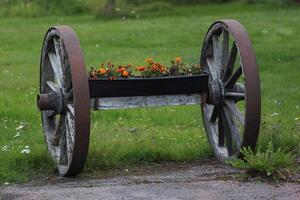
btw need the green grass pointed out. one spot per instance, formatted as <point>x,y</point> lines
<point>170,133</point>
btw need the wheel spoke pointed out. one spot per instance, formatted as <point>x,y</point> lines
<point>227,132</point>
<point>225,50</point>
<point>212,67</point>
<point>71,109</point>
<point>233,128</point>
<point>54,87</point>
<point>68,78</point>
<point>214,114</point>
<point>59,130</point>
<point>63,157</point>
<point>56,66</point>
<point>70,132</point>
<point>237,96</point>
<point>235,76</point>
<point>231,62</point>
<point>70,95</point>
<point>63,151</point>
<point>217,51</point>
<point>51,114</point>
<point>58,49</point>
<point>221,140</point>
<point>234,111</point>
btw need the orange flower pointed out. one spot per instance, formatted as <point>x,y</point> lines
<point>120,70</point>
<point>178,60</point>
<point>102,71</point>
<point>141,68</point>
<point>125,74</point>
<point>149,60</point>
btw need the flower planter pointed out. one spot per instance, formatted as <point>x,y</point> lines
<point>148,86</point>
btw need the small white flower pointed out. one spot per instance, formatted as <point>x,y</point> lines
<point>17,135</point>
<point>274,114</point>
<point>26,150</point>
<point>117,9</point>
<point>4,148</point>
<point>126,170</point>
<point>6,183</point>
<point>21,126</point>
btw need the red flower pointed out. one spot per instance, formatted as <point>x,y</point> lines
<point>141,68</point>
<point>120,69</point>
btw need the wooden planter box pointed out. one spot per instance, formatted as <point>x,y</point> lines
<point>148,86</point>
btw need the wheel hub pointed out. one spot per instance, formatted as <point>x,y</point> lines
<point>215,92</point>
<point>54,101</point>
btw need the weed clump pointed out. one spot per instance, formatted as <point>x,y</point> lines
<point>271,163</point>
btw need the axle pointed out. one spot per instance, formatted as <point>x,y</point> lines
<point>53,101</point>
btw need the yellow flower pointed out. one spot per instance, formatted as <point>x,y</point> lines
<point>148,60</point>
<point>178,60</point>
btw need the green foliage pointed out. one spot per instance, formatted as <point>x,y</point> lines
<point>280,133</point>
<point>275,2</point>
<point>33,8</point>
<point>264,162</point>
<point>176,2</point>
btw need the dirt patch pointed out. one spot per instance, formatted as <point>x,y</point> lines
<point>171,180</point>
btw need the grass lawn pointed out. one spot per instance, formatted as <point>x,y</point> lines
<point>169,133</point>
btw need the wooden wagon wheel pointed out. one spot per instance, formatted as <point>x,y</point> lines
<point>64,100</point>
<point>231,112</point>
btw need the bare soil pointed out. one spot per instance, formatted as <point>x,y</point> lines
<point>207,179</point>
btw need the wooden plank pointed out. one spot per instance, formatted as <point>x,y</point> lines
<point>107,103</point>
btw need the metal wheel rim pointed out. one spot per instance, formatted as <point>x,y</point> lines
<point>252,97</point>
<point>62,69</point>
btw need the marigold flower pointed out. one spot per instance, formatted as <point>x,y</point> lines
<point>178,60</point>
<point>102,71</point>
<point>125,74</point>
<point>148,60</point>
<point>120,70</point>
<point>141,68</point>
